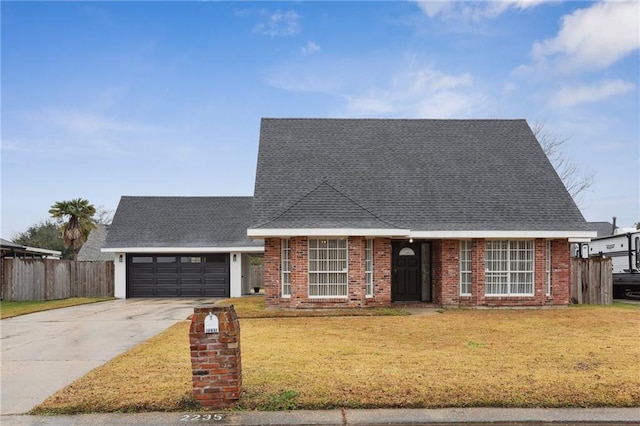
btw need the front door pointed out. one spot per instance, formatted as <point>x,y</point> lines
<point>406,282</point>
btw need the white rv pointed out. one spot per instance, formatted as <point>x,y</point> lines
<point>624,250</point>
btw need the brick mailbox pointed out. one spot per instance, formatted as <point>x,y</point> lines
<point>214,339</point>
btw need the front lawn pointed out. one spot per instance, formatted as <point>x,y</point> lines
<point>575,357</point>
<point>13,309</point>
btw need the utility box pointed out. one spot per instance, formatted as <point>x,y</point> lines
<point>214,338</point>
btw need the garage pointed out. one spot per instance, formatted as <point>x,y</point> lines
<point>178,275</point>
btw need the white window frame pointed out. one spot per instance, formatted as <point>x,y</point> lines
<point>368,267</point>
<point>547,261</point>
<point>465,268</point>
<point>285,260</point>
<point>328,268</point>
<point>506,271</point>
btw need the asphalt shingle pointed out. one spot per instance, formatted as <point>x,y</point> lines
<point>424,175</point>
<point>198,222</point>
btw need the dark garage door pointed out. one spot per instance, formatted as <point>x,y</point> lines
<point>177,275</point>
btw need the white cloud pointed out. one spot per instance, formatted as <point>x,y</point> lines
<point>594,37</point>
<point>367,90</point>
<point>310,48</point>
<point>418,93</point>
<point>570,96</point>
<point>279,24</point>
<point>473,11</point>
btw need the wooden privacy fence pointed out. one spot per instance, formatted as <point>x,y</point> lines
<point>49,279</point>
<point>592,281</point>
<point>257,276</point>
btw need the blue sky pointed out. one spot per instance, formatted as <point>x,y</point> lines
<point>101,99</point>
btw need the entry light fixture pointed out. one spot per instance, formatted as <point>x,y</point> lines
<point>120,258</point>
<point>234,257</point>
<point>410,240</point>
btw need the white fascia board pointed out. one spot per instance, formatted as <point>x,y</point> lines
<point>326,232</point>
<point>573,236</point>
<point>183,250</point>
<point>43,251</point>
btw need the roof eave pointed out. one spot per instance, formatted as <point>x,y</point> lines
<point>326,232</point>
<point>572,236</point>
<point>244,249</point>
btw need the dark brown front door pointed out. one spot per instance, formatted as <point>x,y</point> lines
<point>406,282</point>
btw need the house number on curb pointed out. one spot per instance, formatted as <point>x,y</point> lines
<point>211,323</point>
<point>201,417</point>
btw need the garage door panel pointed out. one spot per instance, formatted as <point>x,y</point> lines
<point>168,275</point>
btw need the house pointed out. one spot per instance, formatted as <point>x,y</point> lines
<point>181,246</point>
<point>10,250</point>
<point>91,249</point>
<point>371,212</point>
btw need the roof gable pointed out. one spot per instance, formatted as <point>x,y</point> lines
<point>417,174</point>
<point>326,207</point>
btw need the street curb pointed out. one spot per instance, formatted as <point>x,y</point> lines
<point>348,417</point>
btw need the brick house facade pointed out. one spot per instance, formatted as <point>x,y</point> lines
<point>374,212</point>
<point>550,286</point>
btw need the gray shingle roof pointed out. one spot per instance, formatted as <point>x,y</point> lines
<point>203,222</point>
<point>423,175</point>
<point>603,229</point>
<point>90,250</point>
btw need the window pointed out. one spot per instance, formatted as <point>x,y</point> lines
<point>368,267</point>
<point>407,251</point>
<point>465,268</point>
<point>327,268</point>
<point>286,268</point>
<point>547,261</point>
<point>508,268</point>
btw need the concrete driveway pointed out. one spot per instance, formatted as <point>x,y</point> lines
<point>43,352</point>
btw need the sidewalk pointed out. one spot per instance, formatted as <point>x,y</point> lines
<point>443,416</point>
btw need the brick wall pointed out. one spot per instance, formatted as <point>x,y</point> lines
<point>356,296</point>
<point>272,272</point>
<point>560,272</point>
<point>445,258</point>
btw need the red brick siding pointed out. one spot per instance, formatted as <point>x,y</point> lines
<point>272,272</point>
<point>450,280</point>
<point>445,276</point>
<point>381,273</point>
<point>560,272</point>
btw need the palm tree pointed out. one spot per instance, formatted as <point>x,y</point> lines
<point>78,215</point>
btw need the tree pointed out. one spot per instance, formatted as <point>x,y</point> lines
<point>103,215</point>
<point>575,180</point>
<point>44,235</point>
<point>76,218</point>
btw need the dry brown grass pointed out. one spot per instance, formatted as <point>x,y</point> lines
<point>585,356</point>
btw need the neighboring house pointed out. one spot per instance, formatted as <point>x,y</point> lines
<point>181,246</point>
<point>368,212</point>
<point>603,229</point>
<point>9,249</point>
<point>91,249</point>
